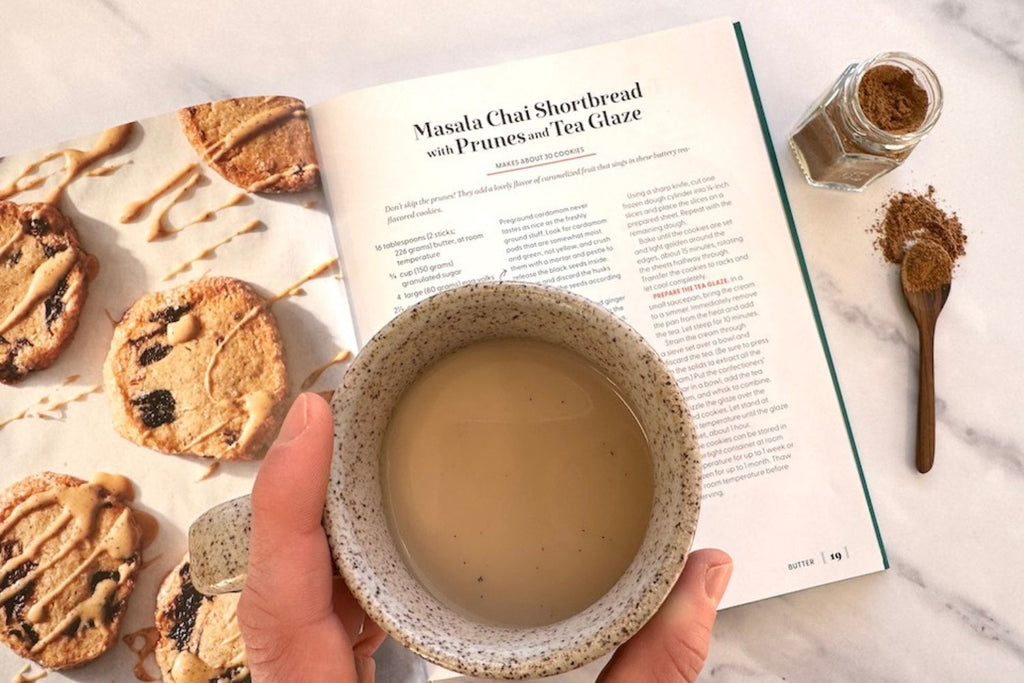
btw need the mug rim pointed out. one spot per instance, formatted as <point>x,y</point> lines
<point>673,547</point>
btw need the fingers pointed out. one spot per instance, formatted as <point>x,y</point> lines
<point>348,609</point>
<point>366,669</point>
<point>286,611</point>
<point>673,645</point>
<point>369,640</point>
<point>287,506</point>
<point>296,618</point>
<point>365,635</point>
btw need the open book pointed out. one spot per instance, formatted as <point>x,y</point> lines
<point>639,174</point>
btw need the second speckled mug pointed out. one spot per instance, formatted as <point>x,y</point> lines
<point>355,519</point>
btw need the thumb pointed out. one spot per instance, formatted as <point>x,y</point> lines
<point>673,645</point>
<point>285,611</point>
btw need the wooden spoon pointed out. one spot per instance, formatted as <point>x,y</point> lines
<point>925,278</point>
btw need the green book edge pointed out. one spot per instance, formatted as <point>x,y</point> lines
<point>807,279</point>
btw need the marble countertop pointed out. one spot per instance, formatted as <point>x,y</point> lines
<point>952,605</point>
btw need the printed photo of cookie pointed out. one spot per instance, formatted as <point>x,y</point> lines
<point>199,635</point>
<point>198,369</point>
<point>44,278</point>
<point>261,144</point>
<point>69,550</point>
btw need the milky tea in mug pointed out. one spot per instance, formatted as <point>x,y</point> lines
<point>517,482</point>
<point>558,503</point>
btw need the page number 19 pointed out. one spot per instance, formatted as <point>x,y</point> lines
<point>835,555</point>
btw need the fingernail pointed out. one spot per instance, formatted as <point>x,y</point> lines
<point>294,423</point>
<point>716,579</point>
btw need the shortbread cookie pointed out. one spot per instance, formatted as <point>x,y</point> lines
<point>199,635</point>
<point>198,370</point>
<point>44,276</point>
<point>68,554</point>
<point>261,144</point>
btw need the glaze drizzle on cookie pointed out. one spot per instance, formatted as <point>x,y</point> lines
<point>132,210</point>
<point>79,507</point>
<point>182,330</point>
<point>9,244</point>
<point>64,402</point>
<point>76,161</point>
<point>209,471</point>
<point>234,200</point>
<point>117,484</point>
<point>253,126</point>
<point>205,253</point>
<point>155,368</point>
<point>256,405</point>
<point>26,675</point>
<point>44,280</point>
<point>34,410</point>
<point>271,180</point>
<point>188,668</point>
<point>254,311</point>
<point>200,639</point>
<point>159,227</point>
<point>149,637</point>
<point>339,357</point>
<point>203,436</point>
<point>103,171</point>
<point>149,528</point>
<point>187,177</point>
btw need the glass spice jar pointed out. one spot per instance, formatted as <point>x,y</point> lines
<point>838,145</point>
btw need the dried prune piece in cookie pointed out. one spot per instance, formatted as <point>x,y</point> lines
<point>261,144</point>
<point>44,279</point>
<point>200,639</point>
<point>155,408</point>
<point>69,550</point>
<point>152,354</point>
<point>198,369</point>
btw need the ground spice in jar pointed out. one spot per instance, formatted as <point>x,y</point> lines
<point>915,219</point>
<point>892,99</point>
<point>868,122</point>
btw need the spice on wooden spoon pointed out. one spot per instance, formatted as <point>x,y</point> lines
<point>926,241</point>
<point>926,277</point>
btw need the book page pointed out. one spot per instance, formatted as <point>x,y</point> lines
<point>156,215</point>
<point>637,175</point>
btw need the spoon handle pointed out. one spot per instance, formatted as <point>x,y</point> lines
<point>926,399</point>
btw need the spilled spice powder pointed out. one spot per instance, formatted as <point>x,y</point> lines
<point>892,99</point>
<point>911,218</point>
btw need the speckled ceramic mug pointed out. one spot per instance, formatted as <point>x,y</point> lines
<point>355,520</point>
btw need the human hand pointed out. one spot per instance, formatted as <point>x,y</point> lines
<point>673,645</point>
<point>298,622</point>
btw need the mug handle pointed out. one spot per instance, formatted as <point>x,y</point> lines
<point>218,545</point>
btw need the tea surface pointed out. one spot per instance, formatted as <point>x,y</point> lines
<point>517,481</point>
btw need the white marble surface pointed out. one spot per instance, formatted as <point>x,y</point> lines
<point>952,606</point>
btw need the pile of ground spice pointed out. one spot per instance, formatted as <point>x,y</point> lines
<point>892,99</point>
<point>926,266</point>
<point>911,218</point>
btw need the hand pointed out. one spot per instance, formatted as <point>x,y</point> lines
<point>299,623</point>
<point>672,646</point>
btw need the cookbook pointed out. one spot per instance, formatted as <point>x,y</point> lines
<point>639,174</point>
